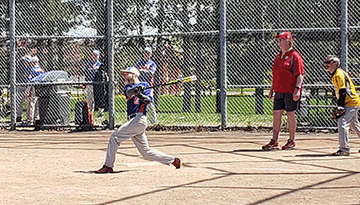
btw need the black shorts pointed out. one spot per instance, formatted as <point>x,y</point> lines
<point>284,101</point>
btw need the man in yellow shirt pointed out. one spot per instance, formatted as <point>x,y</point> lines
<point>348,99</point>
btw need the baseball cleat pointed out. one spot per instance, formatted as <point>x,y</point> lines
<point>177,163</point>
<point>273,145</point>
<point>341,153</point>
<point>290,144</point>
<point>104,170</point>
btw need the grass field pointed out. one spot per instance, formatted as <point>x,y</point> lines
<point>240,109</point>
<point>240,112</point>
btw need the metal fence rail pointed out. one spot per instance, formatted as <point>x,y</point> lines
<point>229,45</point>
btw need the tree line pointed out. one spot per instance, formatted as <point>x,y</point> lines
<point>193,47</point>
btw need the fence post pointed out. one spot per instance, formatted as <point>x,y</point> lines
<point>12,65</point>
<point>260,51</point>
<point>199,61</point>
<point>344,35</point>
<point>110,56</point>
<point>223,79</point>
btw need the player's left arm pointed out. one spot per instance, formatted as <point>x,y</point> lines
<point>297,91</point>
<point>299,72</point>
<point>342,89</point>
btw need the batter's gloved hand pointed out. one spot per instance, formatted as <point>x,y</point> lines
<point>338,112</point>
<point>143,98</point>
<point>141,88</point>
<point>134,90</point>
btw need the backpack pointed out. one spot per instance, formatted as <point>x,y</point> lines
<point>84,118</point>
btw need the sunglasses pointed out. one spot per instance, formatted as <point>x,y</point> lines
<point>329,62</point>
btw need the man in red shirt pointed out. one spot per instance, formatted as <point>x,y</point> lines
<point>288,74</point>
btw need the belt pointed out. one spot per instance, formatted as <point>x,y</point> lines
<point>129,117</point>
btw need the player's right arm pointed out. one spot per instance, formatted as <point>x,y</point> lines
<point>139,92</point>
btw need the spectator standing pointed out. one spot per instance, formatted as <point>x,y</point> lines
<point>32,112</point>
<point>147,69</point>
<point>22,74</point>
<point>90,69</point>
<point>101,90</point>
<point>288,74</point>
<point>348,100</point>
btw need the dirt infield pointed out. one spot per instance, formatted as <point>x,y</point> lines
<point>219,168</point>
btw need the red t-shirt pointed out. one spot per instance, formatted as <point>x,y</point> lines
<point>285,70</point>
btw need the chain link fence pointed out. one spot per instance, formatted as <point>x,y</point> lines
<point>81,46</point>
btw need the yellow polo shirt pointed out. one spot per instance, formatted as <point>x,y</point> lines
<point>341,80</point>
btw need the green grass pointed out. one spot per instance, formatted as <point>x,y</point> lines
<point>318,117</point>
<point>240,112</point>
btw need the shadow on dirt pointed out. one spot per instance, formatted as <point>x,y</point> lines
<point>252,150</point>
<point>313,155</point>
<point>93,172</point>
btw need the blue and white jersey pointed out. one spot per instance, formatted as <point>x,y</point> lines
<point>147,70</point>
<point>134,105</point>
<point>35,71</point>
<point>90,69</point>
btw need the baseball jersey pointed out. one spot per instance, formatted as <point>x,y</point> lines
<point>285,70</point>
<point>134,105</point>
<point>35,71</point>
<point>341,80</point>
<point>147,70</point>
<point>90,69</point>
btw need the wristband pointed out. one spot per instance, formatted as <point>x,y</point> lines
<point>297,88</point>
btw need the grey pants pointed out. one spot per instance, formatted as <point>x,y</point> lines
<point>151,113</point>
<point>135,129</point>
<point>20,97</point>
<point>32,112</point>
<point>90,97</point>
<point>348,120</point>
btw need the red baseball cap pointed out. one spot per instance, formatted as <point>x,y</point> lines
<point>285,35</point>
